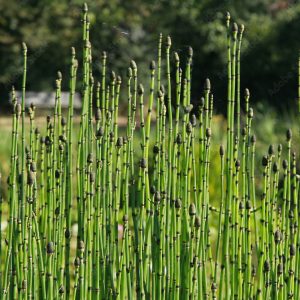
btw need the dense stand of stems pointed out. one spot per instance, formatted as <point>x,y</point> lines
<point>144,223</point>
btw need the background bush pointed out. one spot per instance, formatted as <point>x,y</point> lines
<point>129,29</point>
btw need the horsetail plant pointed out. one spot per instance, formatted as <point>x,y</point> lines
<point>145,221</point>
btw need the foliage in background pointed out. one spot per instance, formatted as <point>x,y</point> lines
<point>129,29</point>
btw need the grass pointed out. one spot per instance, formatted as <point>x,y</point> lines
<point>171,209</point>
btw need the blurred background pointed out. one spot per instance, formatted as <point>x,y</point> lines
<point>130,29</point>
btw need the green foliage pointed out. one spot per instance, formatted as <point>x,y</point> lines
<point>175,218</point>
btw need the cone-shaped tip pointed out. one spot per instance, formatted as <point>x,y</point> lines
<point>208,133</point>
<point>143,163</point>
<point>250,113</point>
<point>176,56</point>
<point>227,16</point>
<point>193,120</point>
<point>32,106</point>
<point>266,266</point>
<point>277,236</point>
<point>119,79</point>
<point>192,209</point>
<point>50,248</point>
<point>133,65</point>
<point>235,27</point>
<point>100,132</point>
<point>207,85</point>
<point>73,51</point>
<point>189,127</point>
<point>141,89</point>
<point>152,65</point>
<point>30,178</point>
<point>119,142</point>
<point>271,150</point>
<point>275,167</point>
<point>177,203</point>
<point>280,269</point>
<point>92,79</point>
<point>241,205</point>
<point>24,46</point>
<point>289,134</point>
<point>155,149</point>
<point>247,93</point>
<point>292,250</point>
<point>264,161</point>
<point>179,139</point>
<point>98,114</point>
<point>112,76</point>
<point>129,72</point>
<point>169,41</point>
<point>241,28</point>
<point>63,122</point>
<point>85,7</point>
<point>59,75</point>
<point>222,150</point>
<point>201,102</point>
<point>57,174</point>
<point>104,54</point>
<point>191,52</point>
